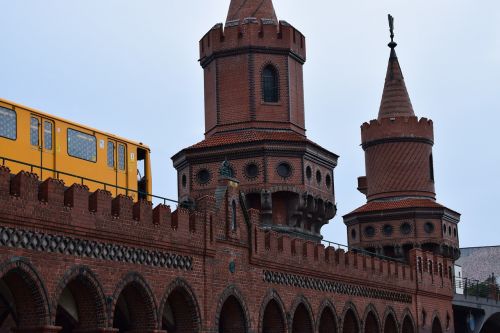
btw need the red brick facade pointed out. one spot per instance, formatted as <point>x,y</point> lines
<point>243,253</point>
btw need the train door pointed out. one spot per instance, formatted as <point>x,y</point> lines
<point>42,146</point>
<point>143,174</point>
<point>117,160</point>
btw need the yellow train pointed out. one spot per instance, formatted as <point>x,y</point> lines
<point>49,146</point>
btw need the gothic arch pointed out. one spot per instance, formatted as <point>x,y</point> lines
<point>437,326</point>
<point>232,298</point>
<point>30,305</point>
<point>371,320</point>
<point>83,285</point>
<point>390,321</point>
<point>133,296</point>
<point>178,298</point>
<point>350,319</point>
<point>301,316</point>
<point>330,322</point>
<point>407,322</point>
<point>272,298</point>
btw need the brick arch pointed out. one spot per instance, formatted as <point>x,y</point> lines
<point>272,318</point>
<point>301,316</point>
<point>407,322</point>
<point>390,321</point>
<point>134,293</point>
<point>371,320</point>
<point>230,302</point>
<point>350,319</point>
<point>327,318</point>
<point>88,294</point>
<point>436,324</point>
<point>28,291</point>
<point>183,304</point>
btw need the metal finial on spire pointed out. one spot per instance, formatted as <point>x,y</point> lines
<point>392,44</point>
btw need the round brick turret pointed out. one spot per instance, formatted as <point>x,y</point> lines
<point>401,212</point>
<point>398,157</point>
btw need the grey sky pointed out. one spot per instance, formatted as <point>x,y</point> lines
<point>130,67</point>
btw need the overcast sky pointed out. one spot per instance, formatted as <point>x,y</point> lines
<point>130,67</point>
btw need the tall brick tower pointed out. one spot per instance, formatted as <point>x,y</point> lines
<point>401,211</point>
<point>254,119</point>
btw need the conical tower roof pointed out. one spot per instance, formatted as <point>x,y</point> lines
<point>395,99</point>
<point>260,9</point>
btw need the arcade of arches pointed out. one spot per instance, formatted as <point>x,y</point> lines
<point>81,306</point>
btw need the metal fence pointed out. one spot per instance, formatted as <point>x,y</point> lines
<point>488,289</point>
<point>83,180</point>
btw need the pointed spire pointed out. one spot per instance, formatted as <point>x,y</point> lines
<point>260,9</point>
<point>395,98</point>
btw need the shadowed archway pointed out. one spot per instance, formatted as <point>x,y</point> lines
<point>232,317</point>
<point>390,325</point>
<point>302,322</point>
<point>408,326</point>
<point>134,307</point>
<point>371,323</point>
<point>273,321</point>
<point>492,324</point>
<point>23,299</point>
<point>327,321</point>
<point>350,322</point>
<point>180,312</point>
<point>436,326</point>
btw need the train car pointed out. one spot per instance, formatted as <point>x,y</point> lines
<point>49,146</point>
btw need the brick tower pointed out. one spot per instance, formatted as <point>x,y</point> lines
<point>401,211</point>
<point>254,119</point>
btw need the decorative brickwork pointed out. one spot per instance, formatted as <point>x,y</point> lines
<point>334,287</point>
<point>19,238</point>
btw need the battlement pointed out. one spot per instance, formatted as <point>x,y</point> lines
<point>397,127</point>
<point>294,252</point>
<point>252,33</point>
<point>73,209</point>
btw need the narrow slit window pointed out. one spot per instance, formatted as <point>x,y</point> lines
<point>431,167</point>
<point>121,157</point>
<point>111,154</point>
<point>233,215</point>
<point>8,123</point>
<point>34,131</point>
<point>270,89</point>
<point>47,135</point>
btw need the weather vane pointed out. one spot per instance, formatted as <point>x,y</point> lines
<point>392,44</point>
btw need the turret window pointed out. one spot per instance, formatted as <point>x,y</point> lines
<point>431,167</point>
<point>233,215</point>
<point>270,86</point>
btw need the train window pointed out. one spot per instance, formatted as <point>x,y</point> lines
<point>47,135</point>
<point>121,157</point>
<point>34,131</point>
<point>111,154</point>
<point>82,145</point>
<point>8,123</point>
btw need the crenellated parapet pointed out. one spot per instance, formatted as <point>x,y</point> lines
<point>252,34</point>
<point>75,210</point>
<point>397,129</point>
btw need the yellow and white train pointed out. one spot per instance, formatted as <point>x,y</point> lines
<point>49,146</point>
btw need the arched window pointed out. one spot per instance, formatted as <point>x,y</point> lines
<point>270,86</point>
<point>233,215</point>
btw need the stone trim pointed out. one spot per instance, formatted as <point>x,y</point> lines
<point>42,242</point>
<point>334,287</point>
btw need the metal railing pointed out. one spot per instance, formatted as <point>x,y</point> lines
<point>488,289</point>
<point>359,250</point>
<point>105,186</point>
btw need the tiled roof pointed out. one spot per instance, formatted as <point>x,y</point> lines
<point>222,139</point>
<point>395,99</point>
<point>400,204</point>
<point>260,9</point>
